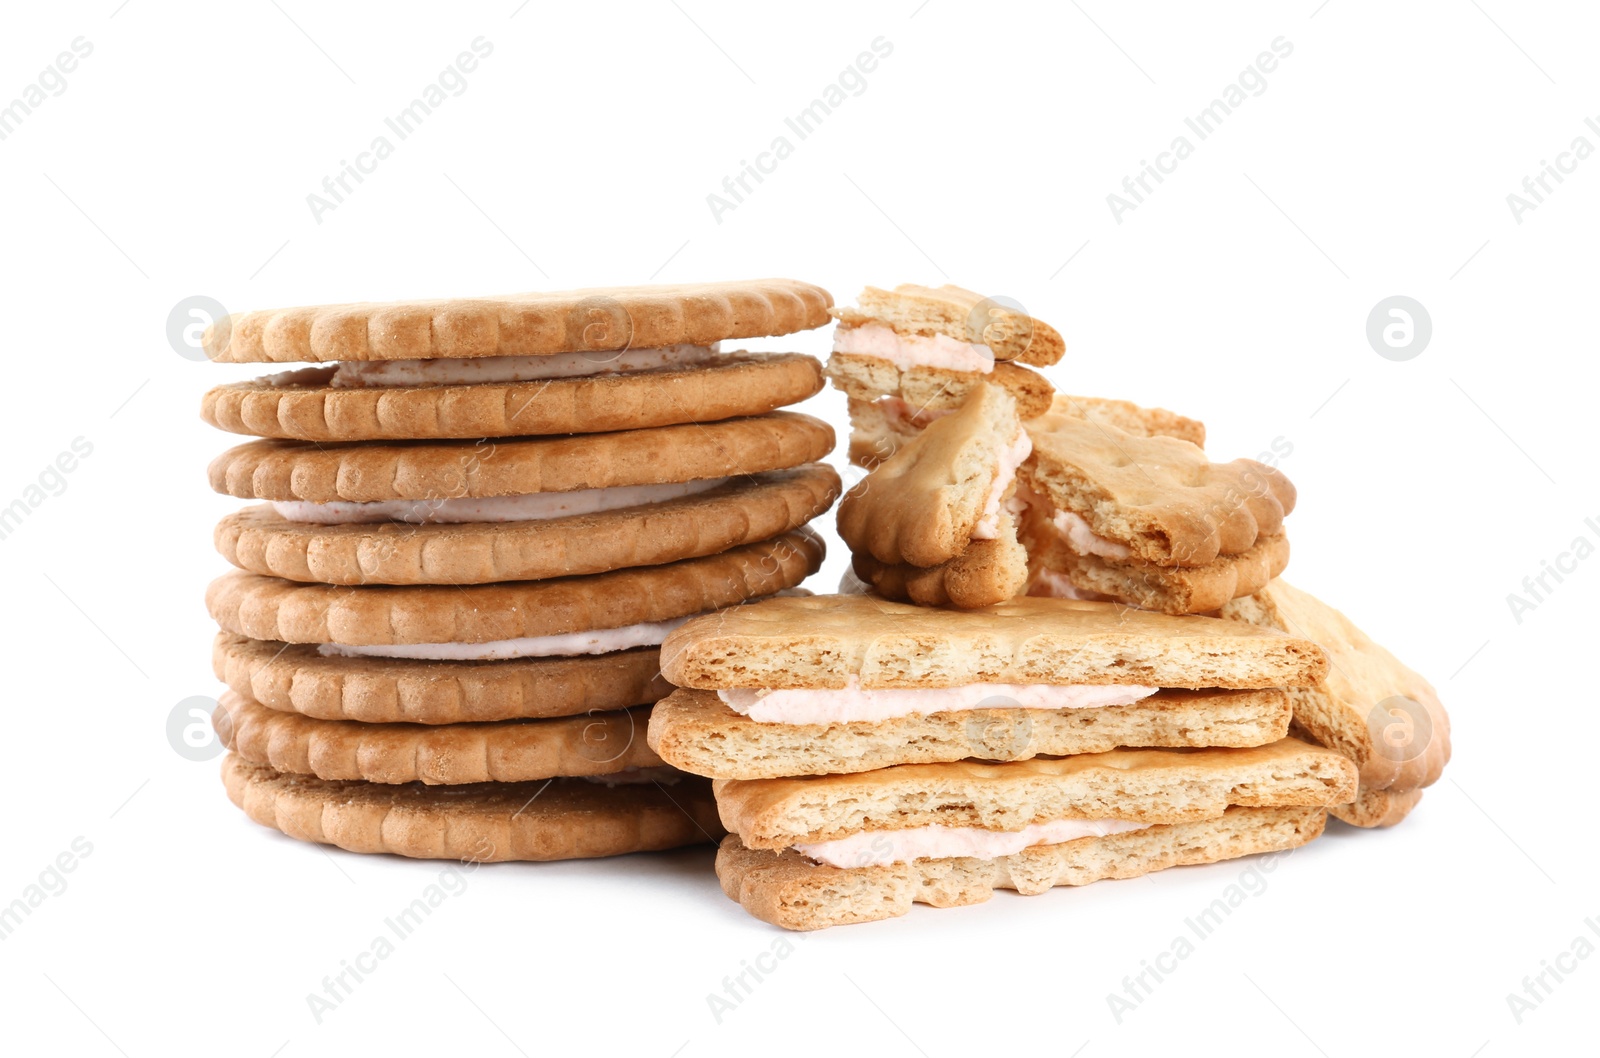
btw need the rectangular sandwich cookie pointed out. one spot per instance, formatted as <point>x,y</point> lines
<point>789,890</point>
<point>848,683</point>
<point>823,850</point>
<point>834,642</point>
<point>700,733</point>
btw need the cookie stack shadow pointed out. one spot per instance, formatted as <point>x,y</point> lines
<point>478,520</point>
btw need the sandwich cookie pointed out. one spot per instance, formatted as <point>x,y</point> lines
<point>934,522</point>
<point>1031,553</point>
<point>494,480</point>
<point>299,678</point>
<point>825,642</point>
<point>850,683</point>
<point>1368,705</point>
<point>489,822</point>
<point>582,361</point>
<point>814,851</point>
<point>908,355</point>
<point>441,655</point>
<point>1145,517</point>
<point>608,744</point>
<point>734,512</point>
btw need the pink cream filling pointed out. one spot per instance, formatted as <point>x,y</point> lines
<point>904,416</point>
<point>853,703</point>
<point>467,371</point>
<point>598,641</point>
<point>877,848</point>
<point>534,507</point>
<point>1011,457</point>
<point>913,350</point>
<point>1082,539</point>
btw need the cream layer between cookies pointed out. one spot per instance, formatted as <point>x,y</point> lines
<point>1083,540</point>
<point>1011,457</point>
<point>853,703</point>
<point>598,641</point>
<point>913,350</point>
<point>467,371</point>
<point>524,508</point>
<point>879,848</point>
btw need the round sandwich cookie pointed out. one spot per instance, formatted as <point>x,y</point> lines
<point>297,678</point>
<point>734,512</point>
<point>315,404</point>
<point>583,361</point>
<point>598,744</point>
<point>490,822</point>
<point>598,319</point>
<point>567,616</point>
<point>444,481</point>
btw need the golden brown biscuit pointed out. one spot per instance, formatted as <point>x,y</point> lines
<point>826,640</point>
<point>532,324</point>
<point>557,819</point>
<point>985,573</point>
<point>599,743</point>
<point>1169,589</point>
<point>434,470</point>
<point>1159,497</point>
<point>879,425</point>
<point>1131,418</point>
<point>301,405</point>
<point>745,510</point>
<point>964,315</point>
<point>924,504</point>
<point>1140,785</point>
<point>1369,706</point>
<point>293,677</point>
<point>695,731</point>
<point>1377,808</point>
<point>268,608</point>
<point>788,890</point>
<point>931,390</point>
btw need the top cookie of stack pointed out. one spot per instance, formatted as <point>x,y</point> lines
<point>580,361</point>
<point>514,500</point>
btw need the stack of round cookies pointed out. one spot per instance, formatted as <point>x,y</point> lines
<point>479,520</point>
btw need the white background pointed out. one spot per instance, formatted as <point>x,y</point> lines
<point>1376,162</point>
